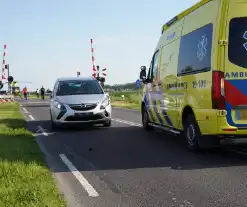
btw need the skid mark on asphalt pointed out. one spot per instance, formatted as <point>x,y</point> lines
<point>83,181</point>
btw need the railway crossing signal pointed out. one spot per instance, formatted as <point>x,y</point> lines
<point>97,74</point>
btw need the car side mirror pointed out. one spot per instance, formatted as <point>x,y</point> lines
<point>143,74</point>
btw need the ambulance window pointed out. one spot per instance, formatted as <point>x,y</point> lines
<point>155,64</point>
<point>195,51</point>
<point>150,71</point>
<point>237,50</point>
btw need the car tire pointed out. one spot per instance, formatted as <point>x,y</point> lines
<point>107,124</point>
<point>146,120</point>
<point>53,125</point>
<point>192,133</point>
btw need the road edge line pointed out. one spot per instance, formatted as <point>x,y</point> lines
<point>83,181</point>
<point>31,117</point>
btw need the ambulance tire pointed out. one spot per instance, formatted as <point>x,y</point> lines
<point>145,120</point>
<point>192,133</point>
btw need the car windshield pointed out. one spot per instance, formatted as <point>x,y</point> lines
<point>76,87</point>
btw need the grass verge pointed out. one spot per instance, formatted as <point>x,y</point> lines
<point>25,179</point>
<point>126,104</point>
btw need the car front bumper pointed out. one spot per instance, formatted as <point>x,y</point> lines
<point>94,116</point>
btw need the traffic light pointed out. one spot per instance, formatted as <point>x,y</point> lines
<point>10,79</point>
<point>7,67</point>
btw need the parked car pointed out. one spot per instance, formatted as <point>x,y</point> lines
<point>79,101</point>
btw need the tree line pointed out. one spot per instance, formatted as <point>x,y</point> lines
<point>120,87</point>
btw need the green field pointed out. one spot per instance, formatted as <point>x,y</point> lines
<point>24,177</point>
<point>130,100</point>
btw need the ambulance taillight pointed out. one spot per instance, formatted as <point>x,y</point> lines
<point>218,94</point>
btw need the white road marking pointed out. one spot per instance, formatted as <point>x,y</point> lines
<point>25,110</point>
<point>83,181</point>
<point>42,131</point>
<point>31,117</point>
<point>37,134</point>
<point>127,122</point>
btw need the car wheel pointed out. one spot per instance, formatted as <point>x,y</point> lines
<point>53,125</point>
<point>145,120</point>
<point>192,133</point>
<point>107,124</point>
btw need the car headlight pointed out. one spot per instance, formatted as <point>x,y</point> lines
<point>105,103</point>
<point>59,105</point>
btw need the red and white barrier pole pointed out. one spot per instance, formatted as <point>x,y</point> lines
<point>93,60</point>
<point>3,65</point>
<point>96,70</point>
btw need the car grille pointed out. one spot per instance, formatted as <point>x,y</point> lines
<point>84,117</point>
<point>83,107</point>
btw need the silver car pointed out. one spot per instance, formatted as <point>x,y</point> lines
<point>79,100</point>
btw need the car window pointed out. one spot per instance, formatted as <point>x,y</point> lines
<point>76,87</point>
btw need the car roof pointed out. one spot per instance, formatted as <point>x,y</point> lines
<point>75,78</point>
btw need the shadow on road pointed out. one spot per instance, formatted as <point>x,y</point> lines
<point>128,147</point>
<point>118,147</point>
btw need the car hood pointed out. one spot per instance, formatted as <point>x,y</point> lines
<point>79,99</point>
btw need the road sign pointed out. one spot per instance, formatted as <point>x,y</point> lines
<point>138,83</point>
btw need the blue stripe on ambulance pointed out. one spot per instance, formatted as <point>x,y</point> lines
<point>147,106</point>
<point>162,106</point>
<point>155,107</point>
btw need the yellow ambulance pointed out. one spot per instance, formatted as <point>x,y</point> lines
<point>196,84</point>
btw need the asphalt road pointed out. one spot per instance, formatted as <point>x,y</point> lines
<point>125,166</point>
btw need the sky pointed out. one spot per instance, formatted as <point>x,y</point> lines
<point>48,39</point>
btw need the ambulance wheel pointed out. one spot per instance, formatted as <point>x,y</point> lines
<point>145,120</point>
<point>192,133</point>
